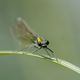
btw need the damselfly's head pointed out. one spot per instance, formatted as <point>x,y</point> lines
<point>42,42</point>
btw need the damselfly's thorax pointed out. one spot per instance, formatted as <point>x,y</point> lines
<point>42,42</point>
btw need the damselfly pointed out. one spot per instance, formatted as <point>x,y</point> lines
<point>28,37</point>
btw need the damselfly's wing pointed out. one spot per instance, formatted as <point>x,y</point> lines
<point>24,33</point>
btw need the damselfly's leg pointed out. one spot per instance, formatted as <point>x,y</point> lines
<point>47,52</point>
<point>51,53</point>
<point>36,50</point>
<point>26,47</point>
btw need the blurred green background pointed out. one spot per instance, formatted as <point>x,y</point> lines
<point>58,21</point>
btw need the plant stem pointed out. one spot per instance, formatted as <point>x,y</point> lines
<point>58,61</point>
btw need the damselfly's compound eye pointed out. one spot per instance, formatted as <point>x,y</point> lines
<point>47,42</point>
